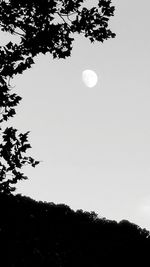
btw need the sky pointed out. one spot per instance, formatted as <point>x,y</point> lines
<point>94,143</point>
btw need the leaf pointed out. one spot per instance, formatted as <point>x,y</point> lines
<point>25,147</point>
<point>9,45</point>
<point>35,163</point>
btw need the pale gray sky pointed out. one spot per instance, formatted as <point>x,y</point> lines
<point>94,142</point>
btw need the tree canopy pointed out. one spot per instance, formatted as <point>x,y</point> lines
<point>39,234</point>
<point>43,26</point>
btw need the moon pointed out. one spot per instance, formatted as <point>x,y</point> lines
<point>89,78</point>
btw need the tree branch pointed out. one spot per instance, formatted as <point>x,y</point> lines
<point>62,18</point>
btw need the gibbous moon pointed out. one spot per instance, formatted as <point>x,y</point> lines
<point>89,78</point>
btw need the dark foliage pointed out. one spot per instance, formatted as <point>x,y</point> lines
<point>44,234</point>
<point>37,24</point>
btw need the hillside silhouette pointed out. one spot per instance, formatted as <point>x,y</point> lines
<point>44,234</point>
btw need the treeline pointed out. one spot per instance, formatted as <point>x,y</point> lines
<point>44,234</point>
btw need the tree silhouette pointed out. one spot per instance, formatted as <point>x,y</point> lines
<point>45,234</point>
<point>43,26</point>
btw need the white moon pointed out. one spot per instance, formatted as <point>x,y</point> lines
<point>89,78</point>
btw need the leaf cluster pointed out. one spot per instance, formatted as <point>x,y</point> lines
<point>12,151</point>
<point>39,33</point>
